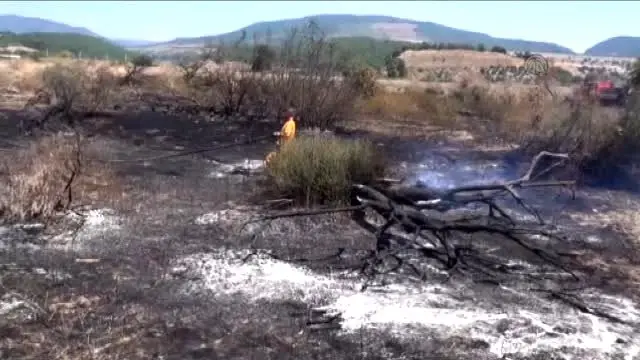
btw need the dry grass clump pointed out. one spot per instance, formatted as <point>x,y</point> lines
<point>76,87</point>
<point>5,79</point>
<point>427,106</point>
<point>26,74</point>
<point>506,112</point>
<point>321,170</point>
<point>601,140</point>
<point>51,174</point>
<point>580,129</point>
<point>457,58</point>
<point>319,97</point>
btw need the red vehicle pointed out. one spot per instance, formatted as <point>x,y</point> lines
<point>606,92</point>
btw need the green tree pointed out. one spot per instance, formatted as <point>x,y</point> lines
<point>263,58</point>
<point>396,68</point>
<point>142,61</point>
<point>481,48</point>
<point>498,49</point>
<point>135,67</point>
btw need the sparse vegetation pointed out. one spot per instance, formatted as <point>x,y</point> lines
<point>364,81</point>
<point>71,90</point>
<point>50,175</point>
<point>135,67</point>
<point>303,77</point>
<point>425,107</point>
<point>396,68</point>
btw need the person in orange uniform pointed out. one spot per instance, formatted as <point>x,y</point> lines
<point>285,135</point>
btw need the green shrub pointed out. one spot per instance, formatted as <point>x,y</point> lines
<point>142,61</point>
<point>321,170</point>
<point>396,68</point>
<point>498,49</point>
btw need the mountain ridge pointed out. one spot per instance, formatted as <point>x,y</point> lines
<point>18,24</point>
<point>379,27</point>
<point>24,24</point>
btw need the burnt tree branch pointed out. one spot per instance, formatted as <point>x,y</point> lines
<point>430,231</point>
<point>433,231</point>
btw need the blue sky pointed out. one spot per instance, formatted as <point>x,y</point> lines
<point>575,24</point>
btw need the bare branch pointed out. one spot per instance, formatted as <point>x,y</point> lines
<point>423,214</point>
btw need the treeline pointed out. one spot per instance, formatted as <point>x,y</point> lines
<point>352,52</point>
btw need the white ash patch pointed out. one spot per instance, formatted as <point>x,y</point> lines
<point>10,305</point>
<point>259,278</point>
<point>245,167</point>
<point>232,219</point>
<point>14,306</point>
<point>245,221</point>
<point>91,225</point>
<point>530,326</point>
<point>593,239</point>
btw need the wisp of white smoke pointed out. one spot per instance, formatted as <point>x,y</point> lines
<point>460,174</point>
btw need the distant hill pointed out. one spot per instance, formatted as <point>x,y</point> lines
<point>377,27</point>
<point>132,43</point>
<point>85,45</point>
<point>623,46</point>
<point>21,24</point>
<point>392,31</point>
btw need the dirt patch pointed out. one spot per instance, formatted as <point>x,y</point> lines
<point>457,59</point>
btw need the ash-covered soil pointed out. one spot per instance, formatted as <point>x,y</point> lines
<point>172,272</point>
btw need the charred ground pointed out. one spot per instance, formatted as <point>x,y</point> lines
<point>123,305</point>
<point>84,282</point>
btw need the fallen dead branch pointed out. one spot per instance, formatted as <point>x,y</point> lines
<point>424,214</point>
<point>430,230</point>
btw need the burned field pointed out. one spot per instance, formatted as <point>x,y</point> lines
<point>139,222</point>
<point>192,264</point>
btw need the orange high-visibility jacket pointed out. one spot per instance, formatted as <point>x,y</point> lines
<point>288,131</point>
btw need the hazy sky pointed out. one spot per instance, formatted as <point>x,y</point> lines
<point>574,24</point>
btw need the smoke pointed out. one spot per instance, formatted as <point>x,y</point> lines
<point>461,173</point>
